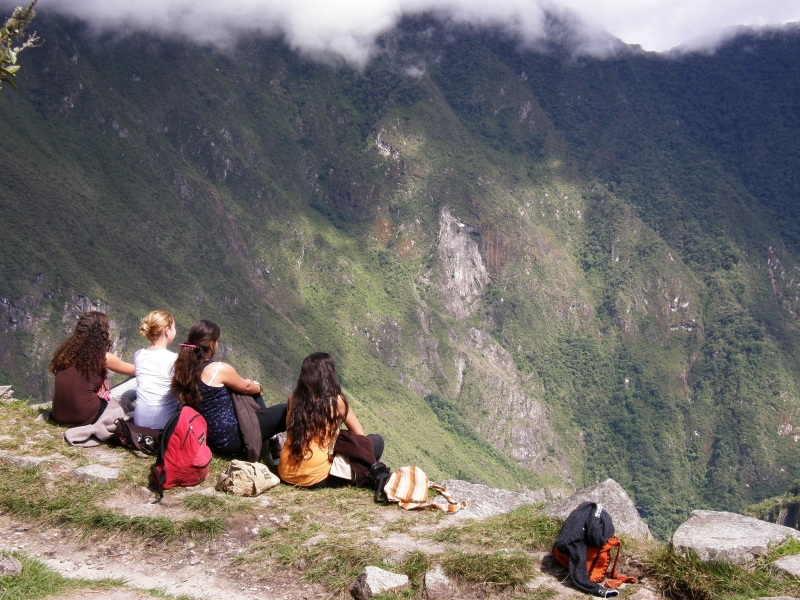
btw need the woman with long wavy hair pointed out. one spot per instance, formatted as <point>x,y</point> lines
<point>80,365</point>
<point>317,409</point>
<point>205,385</point>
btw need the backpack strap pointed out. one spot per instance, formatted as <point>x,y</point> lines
<point>159,477</point>
<point>615,579</point>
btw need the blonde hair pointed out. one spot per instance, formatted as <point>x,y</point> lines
<point>154,324</point>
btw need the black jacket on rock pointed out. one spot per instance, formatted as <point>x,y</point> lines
<point>587,525</point>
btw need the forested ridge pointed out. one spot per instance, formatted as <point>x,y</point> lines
<point>533,267</point>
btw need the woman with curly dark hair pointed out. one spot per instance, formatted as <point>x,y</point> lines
<point>80,365</point>
<point>317,409</point>
<point>205,385</point>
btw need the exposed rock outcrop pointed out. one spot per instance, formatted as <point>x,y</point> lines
<point>728,536</point>
<point>614,499</point>
<point>464,275</point>
<point>483,502</point>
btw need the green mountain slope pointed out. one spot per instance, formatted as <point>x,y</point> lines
<point>532,268</point>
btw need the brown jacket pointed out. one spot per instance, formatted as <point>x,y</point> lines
<point>246,407</point>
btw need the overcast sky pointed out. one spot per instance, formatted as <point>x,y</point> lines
<point>348,27</point>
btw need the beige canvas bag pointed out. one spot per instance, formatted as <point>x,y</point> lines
<point>244,478</point>
<point>408,486</point>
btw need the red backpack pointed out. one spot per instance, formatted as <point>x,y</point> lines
<point>184,457</point>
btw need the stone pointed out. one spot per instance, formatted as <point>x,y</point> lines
<point>24,461</point>
<point>6,393</point>
<point>43,417</point>
<point>645,594</point>
<point>373,581</point>
<point>728,536</point>
<point>614,500</point>
<point>789,564</point>
<point>437,584</point>
<point>9,565</point>
<point>96,473</point>
<point>482,501</point>
<point>313,541</point>
<point>398,545</point>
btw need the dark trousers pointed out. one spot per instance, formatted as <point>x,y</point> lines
<point>271,419</point>
<point>333,482</point>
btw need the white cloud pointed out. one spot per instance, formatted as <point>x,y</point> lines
<point>349,27</point>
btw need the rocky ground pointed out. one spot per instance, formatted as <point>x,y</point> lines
<point>94,512</point>
<point>219,567</point>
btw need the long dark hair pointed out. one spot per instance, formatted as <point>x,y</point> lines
<point>86,348</point>
<point>191,360</point>
<point>314,409</point>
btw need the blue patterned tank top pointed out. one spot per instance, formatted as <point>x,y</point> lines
<point>223,426</point>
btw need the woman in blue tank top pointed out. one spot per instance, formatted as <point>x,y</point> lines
<point>204,385</point>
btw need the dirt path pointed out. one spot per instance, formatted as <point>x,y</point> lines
<point>204,570</point>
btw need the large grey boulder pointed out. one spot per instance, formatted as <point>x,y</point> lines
<point>482,501</point>
<point>614,500</point>
<point>728,536</point>
<point>373,581</point>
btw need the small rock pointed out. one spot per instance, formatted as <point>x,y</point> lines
<point>789,564</point>
<point>9,565</point>
<point>96,473</point>
<point>43,417</point>
<point>644,594</point>
<point>728,536</point>
<point>437,584</point>
<point>313,541</point>
<point>41,406</point>
<point>28,461</point>
<point>373,581</point>
<point>6,393</point>
<point>614,500</point>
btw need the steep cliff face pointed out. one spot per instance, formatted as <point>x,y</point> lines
<point>463,274</point>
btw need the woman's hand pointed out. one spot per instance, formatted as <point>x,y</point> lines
<point>113,363</point>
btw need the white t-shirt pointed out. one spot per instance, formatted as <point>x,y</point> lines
<point>155,403</point>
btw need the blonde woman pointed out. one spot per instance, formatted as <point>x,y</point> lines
<point>155,402</point>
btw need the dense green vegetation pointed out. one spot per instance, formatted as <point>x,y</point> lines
<point>636,216</point>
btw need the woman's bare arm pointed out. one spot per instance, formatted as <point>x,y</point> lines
<point>232,380</point>
<point>117,365</point>
<point>350,419</point>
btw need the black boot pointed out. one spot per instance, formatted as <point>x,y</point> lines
<point>379,474</point>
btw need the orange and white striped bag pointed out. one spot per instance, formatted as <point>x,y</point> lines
<point>408,486</point>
